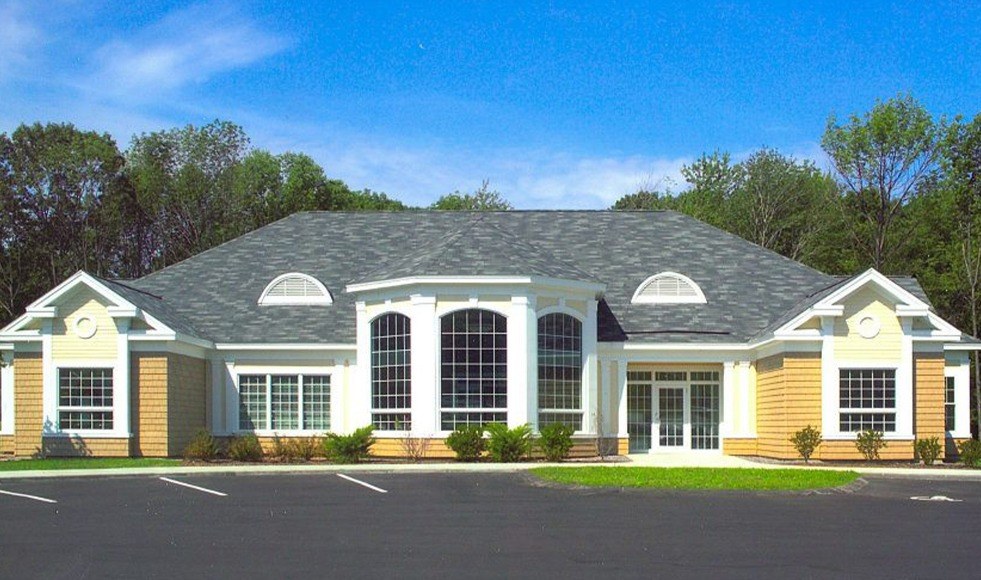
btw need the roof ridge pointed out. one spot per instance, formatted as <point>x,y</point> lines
<point>134,289</point>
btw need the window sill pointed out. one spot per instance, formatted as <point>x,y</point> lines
<point>854,436</point>
<point>88,435</point>
<point>283,433</point>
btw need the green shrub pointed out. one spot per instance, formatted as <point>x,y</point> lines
<point>245,448</point>
<point>351,448</point>
<point>970,452</point>
<point>467,441</point>
<point>555,441</point>
<point>508,445</point>
<point>869,442</point>
<point>202,446</point>
<point>806,441</point>
<point>928,450</point>
<point>298,448</point>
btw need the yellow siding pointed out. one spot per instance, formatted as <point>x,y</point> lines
<point>6,444</point>
<point>149,404</point>
<point>788,399</point>
<point>851,346</point>
<point>846,451</point>
<point>623,446</point>
<point>66,345</point>
<point>186,388</point>
<point>28,404</point>
<point>928,385</point>
<point>82,447</point>
<point>739,446</point>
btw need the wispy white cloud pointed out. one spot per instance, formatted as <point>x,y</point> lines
<point>418,175</point>
<point>19,39</point>
<point>186,47</point>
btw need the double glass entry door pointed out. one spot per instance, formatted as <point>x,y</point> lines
<point>682,414</point>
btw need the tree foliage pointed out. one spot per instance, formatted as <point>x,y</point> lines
<point>483,199</point>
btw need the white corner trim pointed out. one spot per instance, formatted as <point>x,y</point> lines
<point>7,394</point>
<point>638,297</point>
<point>325,298</point>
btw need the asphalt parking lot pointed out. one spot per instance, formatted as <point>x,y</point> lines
<point>476,525</point>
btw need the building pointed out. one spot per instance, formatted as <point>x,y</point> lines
<point>645,331</point>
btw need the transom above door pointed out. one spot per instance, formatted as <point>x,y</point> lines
<point>673,410</point>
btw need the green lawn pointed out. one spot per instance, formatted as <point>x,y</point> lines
<point>696,477</point>
<point>85,463</point>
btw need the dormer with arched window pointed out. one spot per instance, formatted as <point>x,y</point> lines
<point>295,289</point>
<point>668,288</point>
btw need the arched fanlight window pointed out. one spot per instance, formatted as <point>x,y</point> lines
<point>668,288</point>
<point>295,288</point>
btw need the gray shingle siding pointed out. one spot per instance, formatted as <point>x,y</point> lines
<point>748,288</point>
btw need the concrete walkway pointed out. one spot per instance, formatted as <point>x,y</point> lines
<point>699,459</point>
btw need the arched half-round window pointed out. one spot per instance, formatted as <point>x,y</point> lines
<point>295,288</point>
<point>668,288</point>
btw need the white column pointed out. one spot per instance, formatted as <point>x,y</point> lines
<point>746,396</point>
<point>229,388</point>
<point>120,381</point>
<point>829,378</point>
<point>357,396</point>
<point>218,397</point>
<point>522,362</point>
<point>622,390</point>
<point>590,370</point>
<point>729,399</point>
<point>425,358</point>
<point>904,381</point>
<point>50,382</point>
<point>962,397</point>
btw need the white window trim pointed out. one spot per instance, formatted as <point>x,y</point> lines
<point>962,396</point>
<point>299,372</point>
<point>639,298</point>
<point>324,298</point>
<point>120,396</point>
<point>835,434</point>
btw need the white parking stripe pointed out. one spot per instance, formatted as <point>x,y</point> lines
<point>34,497</point>
<point>359,482</point>
<point>204,489</point>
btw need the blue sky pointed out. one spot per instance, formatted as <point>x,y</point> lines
<point>559,105</point>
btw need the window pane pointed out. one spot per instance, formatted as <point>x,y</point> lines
<point>704,416</point>
<point>252,402</point>
<point>391,372</point>
<point>316,402</point>
<point>285,407</point>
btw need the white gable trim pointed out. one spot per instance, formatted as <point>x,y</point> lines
<point>907,305</point>
<point>586,287</point>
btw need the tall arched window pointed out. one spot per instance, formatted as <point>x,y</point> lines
<point>560,370</point>
<point>391,373</point>
<point>473,368</point>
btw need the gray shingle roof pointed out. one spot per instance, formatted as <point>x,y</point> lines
<point>747,288</point>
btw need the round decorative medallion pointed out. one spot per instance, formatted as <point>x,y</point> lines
<point>85,327</point>
<point>869,326</point>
